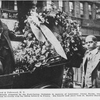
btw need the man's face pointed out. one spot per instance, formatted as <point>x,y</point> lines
<point>90,44</point>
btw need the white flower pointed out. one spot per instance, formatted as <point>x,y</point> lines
<point>38,64</point>
<point>34,19</point>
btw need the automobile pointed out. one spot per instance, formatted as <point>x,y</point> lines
<point>50,76</point>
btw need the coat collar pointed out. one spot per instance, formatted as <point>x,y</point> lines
<point>95,60</point>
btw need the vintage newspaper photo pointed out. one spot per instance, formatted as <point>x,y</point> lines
<point>49,49</point>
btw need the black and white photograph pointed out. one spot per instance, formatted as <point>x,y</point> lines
<point>50,44</point>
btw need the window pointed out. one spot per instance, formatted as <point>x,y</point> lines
<point>97,11</point>
<point>71,8</point>
<point>60,5</point>
<point>81,9</point>
<point>8,5</point>
<point>90,11</point>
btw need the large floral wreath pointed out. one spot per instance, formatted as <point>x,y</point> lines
<point>35,51</point>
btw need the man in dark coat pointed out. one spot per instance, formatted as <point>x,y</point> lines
<point>6,53</point>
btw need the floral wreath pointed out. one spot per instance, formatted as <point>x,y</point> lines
<point>33,53</point>
<point>71,37</point>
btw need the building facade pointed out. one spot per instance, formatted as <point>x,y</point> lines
<point>87,13</point>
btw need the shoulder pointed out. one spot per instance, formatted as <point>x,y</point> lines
<point>3,25</point>
<point>97,52</point>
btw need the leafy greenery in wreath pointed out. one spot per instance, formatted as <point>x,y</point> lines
<point>35,51</point>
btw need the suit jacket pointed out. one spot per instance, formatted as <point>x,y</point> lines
<point>91,69</point>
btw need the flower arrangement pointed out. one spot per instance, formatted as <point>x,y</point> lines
<point>33,53</point>
<point>70,38</point>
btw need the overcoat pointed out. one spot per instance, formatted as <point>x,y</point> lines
<point>91,69</point>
